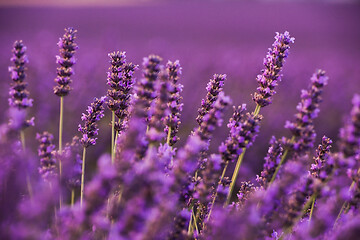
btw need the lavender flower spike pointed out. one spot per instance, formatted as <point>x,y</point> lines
<point>321,168</point>
<point>66,60</point>
<point>121,81</point>
<point>350,134</point>
<point>214,87</point>
<point>308,108</point>
<point>89,130</point>
<point>175,105</point>
<point>19,95</point>
<point>46,153</point>
<point>273,63</point>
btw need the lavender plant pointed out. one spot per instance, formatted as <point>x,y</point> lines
<point>148,189</point>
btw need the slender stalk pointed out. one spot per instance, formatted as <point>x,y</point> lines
<point>312,207</point>
<point>281,161</point>
<point>72,197</point>
<point>168,136</point>
<point>344,206</point>
<point>238,164</point>
<point>61,130</point>
<point>234,177</point>
<point>82,177</point>
<point>113,137</point>
<point>22,138</point>
<point>215,196</point>
<point>191,222</point>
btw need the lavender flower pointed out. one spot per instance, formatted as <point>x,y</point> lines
<point>245,191</point>
<point>71,158</point>
<point>173,119</point>
<point>66,60</point>
<point>94,113</point>
<point>322,167</point>
<point>303,128</point>
<point>272,160</point>
<point>160,109</point>
<point>214,87</point>
<point>121,81</point>
<point>350,134</point>
<point>19,95</point>
<point>146,91</point>
<point>46,153</point>
<point>273,63</point>
<point>243,131</point>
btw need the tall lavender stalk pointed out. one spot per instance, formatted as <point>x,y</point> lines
<point>268,80</point>
<point>47,167</point>
<point>66,60</point>
<point>19,99</point>
<point>89,132</point>
<point>175,105</point>
<point>121,81</point>
<point>302,129</point>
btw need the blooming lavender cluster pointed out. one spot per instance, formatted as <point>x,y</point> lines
<point>148,189</point>
<point>66,60</point>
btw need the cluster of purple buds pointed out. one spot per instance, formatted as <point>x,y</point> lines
<point>272,160</point>
<point>175,105</point>
<point>273,63</point>
<point>308,108</point>
<point>121,81</point>
<point>160,109</point>
<point>350,134</point>
<point>71,159</point>
<point>322,167</point>
<point>46,148</point>
<point>89,130</point>
<point>66,60</point>
<point>214,87</point>
<point>244,128</point>
<point>19,95</point>
<point>146,89</point>
<point>245,191</point>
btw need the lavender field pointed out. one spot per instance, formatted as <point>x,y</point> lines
<point>167,155</point>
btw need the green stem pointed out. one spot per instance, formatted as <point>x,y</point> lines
<point>82,177</point>
<point>344,206</point>
<point>191,222</point>
<point>72,197</point>
<point>22,138</point>
<point>60,131</point>
<point>215,196</point>
<point>238,164</point>
<point>313,198</point>
<point>281,161</point>
<point>168,136</point>
<point>112,137</point>
<point>234,176</point>
<point>195,223</point>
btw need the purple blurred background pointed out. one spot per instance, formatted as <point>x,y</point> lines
<point>230,37</point>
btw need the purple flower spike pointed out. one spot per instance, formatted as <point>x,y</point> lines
<point>272,160</point>
<point>66,60</point>
<point>214,87</point>
<point>160,109</point>
<point>145,90</point>
<point>244,128</point>
<point>308,108</point>
<point>94,113</point>
<point>350,134</point>
<point>19,96</point>
<point>273,63</point>
<point>47,167</point>
<point>175,104</point>
<point>121,81</point>
<point>322,168</point>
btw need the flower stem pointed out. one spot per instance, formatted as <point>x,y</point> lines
<point>238,164</point>
<point>313,198</point>
<point>22,139</point>
<point>215,196</point>
<point>61,130</point>
<point>82,177</point>
<point>113,137</point>
<point>234,177</point>
<point>281,161</point>
<point>28,182</point>
<point>168,136</point>
<point>72,197</point>
<point>344,206</point>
